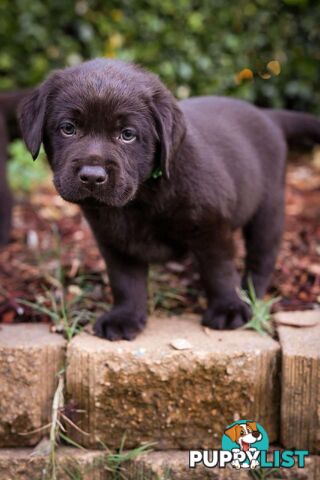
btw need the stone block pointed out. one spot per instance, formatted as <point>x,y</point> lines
<point>71,463</point>
<point>300,404</point>
<point>180,399</point>
<point>30,357</point>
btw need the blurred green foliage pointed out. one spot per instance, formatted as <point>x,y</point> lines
<point>196,46</point>
<point>22,177</point>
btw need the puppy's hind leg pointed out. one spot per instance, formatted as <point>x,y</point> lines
<point>262,239</point>
<point>214,253</point>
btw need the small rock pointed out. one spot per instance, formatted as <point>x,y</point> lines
<point>181,344</point>
<point>175,267</point>
<point>140,352</point>
<point>32,239</point>
<point>75,290</point>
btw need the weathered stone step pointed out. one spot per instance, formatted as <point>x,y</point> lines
<point>152,392</point>
<point>173,465</point>
<point>177,398</point>
<point>19,464</point>
<point>30,357</point>
<point>300,405</point>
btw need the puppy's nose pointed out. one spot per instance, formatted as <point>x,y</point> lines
<point>256,434</point>
<point>92,175</point>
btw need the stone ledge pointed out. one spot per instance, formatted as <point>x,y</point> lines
<point>179,399</point>
<point>19,464</point>
<point>300,405</point>
<point>30,357</point>
<point>173,465</point>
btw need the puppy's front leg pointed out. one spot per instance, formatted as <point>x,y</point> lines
<point>218,273</point>
<point>128,279</point>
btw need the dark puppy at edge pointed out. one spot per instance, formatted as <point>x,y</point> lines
<point>108,126</point>
<point>8,131</point>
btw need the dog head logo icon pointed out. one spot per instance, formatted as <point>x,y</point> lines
<point>246,439</point>
<point>245,434</point>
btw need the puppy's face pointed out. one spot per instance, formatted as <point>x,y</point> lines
<point>100,144</point>
<point>105,126</point>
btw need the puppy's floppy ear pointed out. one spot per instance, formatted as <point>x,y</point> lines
<point>169,123</point>
<point>252,425</point>
<point>31,114</point>
<point>233,433</point>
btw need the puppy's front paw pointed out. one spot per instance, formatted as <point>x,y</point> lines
<point>119,324</point>
<point>226,314</point>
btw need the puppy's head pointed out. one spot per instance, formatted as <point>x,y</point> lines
<point>105,125</point>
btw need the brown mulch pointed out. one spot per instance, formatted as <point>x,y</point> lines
<point>53,255</point>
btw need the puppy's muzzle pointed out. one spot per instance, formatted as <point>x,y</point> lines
<point>92,175</point>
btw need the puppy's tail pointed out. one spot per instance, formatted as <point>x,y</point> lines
<point>296,126</point>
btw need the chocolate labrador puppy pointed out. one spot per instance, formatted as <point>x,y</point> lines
<point>156,178</point>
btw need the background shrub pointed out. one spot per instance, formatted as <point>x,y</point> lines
<point>196,46</point>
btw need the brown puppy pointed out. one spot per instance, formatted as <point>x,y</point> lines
<point>109,127</point>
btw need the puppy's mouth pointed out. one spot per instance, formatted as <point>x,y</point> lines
<point>108,195</point>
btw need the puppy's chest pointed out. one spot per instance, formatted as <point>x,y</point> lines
<point>134,232</point>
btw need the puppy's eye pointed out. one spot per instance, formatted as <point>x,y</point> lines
<point>127,135</point>
<point>67,129</point>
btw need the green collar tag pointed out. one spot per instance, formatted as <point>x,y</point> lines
<point>157,172</point>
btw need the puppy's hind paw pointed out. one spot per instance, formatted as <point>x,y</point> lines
<point>119,324</point>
